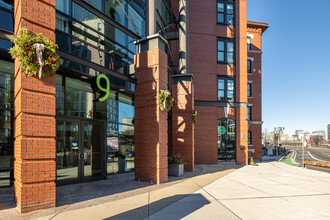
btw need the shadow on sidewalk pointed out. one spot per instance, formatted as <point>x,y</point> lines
<point>175,211</point>
<point>116,187</point>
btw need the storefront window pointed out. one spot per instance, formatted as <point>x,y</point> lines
<point>6,111</point>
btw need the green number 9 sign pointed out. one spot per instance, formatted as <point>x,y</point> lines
<point>101,84</point>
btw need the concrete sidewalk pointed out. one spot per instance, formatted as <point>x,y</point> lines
<point>120,197</point>
<point>268,191</point>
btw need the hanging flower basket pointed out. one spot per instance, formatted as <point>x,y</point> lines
<point>165,100</point>
<point>194,116</point>
<point>36,53</point>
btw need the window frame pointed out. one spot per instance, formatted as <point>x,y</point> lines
<point>249,115</point>
<point>249,44</point>
<point>250,138</point>
<point>225,13</point>
<point>249,67</point>
<point>225,51</point>
<point>226,78</point>
<point>249,90</point>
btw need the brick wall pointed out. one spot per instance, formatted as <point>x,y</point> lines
<point>203,35</point>
<point>151,125</point>
<point>35,150</point>
<point>182,126</point>
<point>255,101</point>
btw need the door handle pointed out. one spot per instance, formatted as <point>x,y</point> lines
<point>81,156</point>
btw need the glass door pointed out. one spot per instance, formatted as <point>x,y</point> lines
<point>92,150</point>
<point>226,140</point>
<point>67,150</point>
<point>79,150</point>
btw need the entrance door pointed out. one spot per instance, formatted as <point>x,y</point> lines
<point>79,150</point>
<point>226,139</point>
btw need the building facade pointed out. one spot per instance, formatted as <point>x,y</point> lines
<point>53,132</point>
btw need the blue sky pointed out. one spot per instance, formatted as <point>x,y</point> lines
<point>296,63</point>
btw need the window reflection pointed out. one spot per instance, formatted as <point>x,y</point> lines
<point>8,17</point>
<point>6,111</point>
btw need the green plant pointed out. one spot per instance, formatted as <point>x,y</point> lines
<point>165,100</point>
<point>194,116</point>
<point>175,160</point>
<point>25,50</point>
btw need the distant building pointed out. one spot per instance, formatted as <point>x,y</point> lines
<point>320,133</point>
<point>328,132</point>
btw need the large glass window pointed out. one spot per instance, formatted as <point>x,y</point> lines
<point>118,10</point>
<point>6,120</point>
<point>226,50</point>
<point>7,18</point>
<point>64,6</point>
<point>98,4</point>
<point>226,88</point>
<point>120,133</point>
<point>225,12</point>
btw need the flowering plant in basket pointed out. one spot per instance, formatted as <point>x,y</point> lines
<point>36,53</point>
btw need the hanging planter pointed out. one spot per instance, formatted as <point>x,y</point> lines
<point>36,53</point>
<point>165,100</point>
<point>194,116</point>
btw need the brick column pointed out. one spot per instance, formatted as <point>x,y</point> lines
<point>35,148</point>
<point>151,125</point>
<point>182,126</point>
<point>241,83</point>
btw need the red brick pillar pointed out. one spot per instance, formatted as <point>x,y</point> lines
<point>182,125</point>
<point>151,125</point>
<point>35,149</point>
<point>241,84</point>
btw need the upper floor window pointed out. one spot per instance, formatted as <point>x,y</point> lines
<point>249,138</point>
<point>249,113</point>
<point>249,70</point>
<point>226,88</point>
<point>249,43</point>
<point>226,50</point>
<point>249,92</point>
<point>225,12</point>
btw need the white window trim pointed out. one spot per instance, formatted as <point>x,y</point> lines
<point>251,58</point>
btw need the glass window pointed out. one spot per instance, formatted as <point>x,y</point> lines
<point>9,4</point>
<point>249,92</point>
<point>87,17</point>
<point>126,109</point>
<point>64,6</point>
<point>226,88</point>
<point>6,111</point>
<point>249,113</point>
<point>63,23</point>
<point>7,19</point>
<point>225,12</point>
<point>226,50</point>
<point>5,44</point>
<point>249,62</point>
<point>250,138</point>
<point>249,43</point>
<point>98,4</point>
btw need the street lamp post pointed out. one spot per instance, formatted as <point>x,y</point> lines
<point>277,132</point>
<point>303,152</point>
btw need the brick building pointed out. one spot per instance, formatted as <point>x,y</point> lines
<point>53,133</point>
